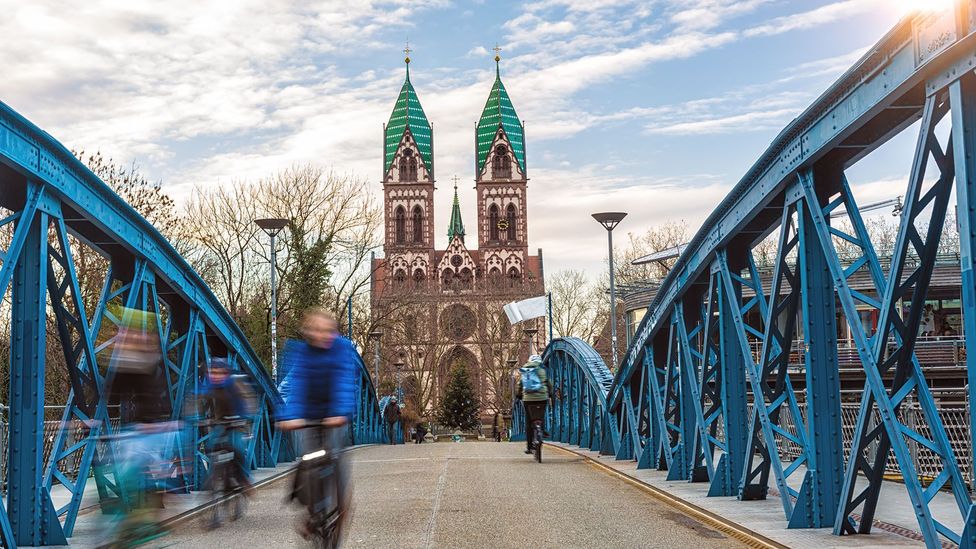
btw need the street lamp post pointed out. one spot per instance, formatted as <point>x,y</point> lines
<point>399,378</point>
<point>530,334</point>
<point>511,377</point>
<point>375,335</point>
<point>273,226</point>
<point>610,220</point>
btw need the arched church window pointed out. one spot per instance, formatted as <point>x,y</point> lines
<point>410,327</point>
<point>501,165</point>
<point>493,220</point>
<point>418,278</point>
<point>408,166</point>
<point>466,280</point>
<point>400,225</point>
<point>513,277</point>
<point>399,278</point>
<point>418,224</point>
<point>510,218</point>
<point>447,278</point>
<point>495,277</point>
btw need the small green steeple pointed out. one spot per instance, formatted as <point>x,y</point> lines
<point>499,113</point>
<point>456,228</point>
<point>408,114</point>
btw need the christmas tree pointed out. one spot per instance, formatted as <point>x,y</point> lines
<point>459,407</point>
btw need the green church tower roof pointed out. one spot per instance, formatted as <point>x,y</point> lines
<point>499,112</point>
<point>408,114</point>
<point>456,228</point>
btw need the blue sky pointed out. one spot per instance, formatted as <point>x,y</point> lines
<point>654,107</point>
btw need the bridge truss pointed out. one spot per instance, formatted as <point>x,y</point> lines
<point>703,390</point>
<point>58,206</point>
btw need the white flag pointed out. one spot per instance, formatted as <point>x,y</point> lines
<point>526,309</point>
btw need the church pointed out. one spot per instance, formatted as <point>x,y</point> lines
<point>438,309</point>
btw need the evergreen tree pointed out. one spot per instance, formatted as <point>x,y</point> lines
<point>459,407</point>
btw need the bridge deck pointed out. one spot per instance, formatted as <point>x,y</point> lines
<point>472,495</point>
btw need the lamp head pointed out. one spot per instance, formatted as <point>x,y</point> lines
<point>271,224</point>
<point>609,220</point>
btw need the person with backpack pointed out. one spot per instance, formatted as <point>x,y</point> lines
<point>534,390</point>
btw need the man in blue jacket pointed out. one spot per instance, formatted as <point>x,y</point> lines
<point>319,391</point>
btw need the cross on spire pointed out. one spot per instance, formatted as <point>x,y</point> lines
<point>498,50</point>
<point>407,51</point>
<point>455,179</point>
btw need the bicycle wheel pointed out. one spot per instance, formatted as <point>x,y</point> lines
<point>328,536</point>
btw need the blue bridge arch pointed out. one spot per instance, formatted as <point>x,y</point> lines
<point>55,200</point>
<point>703,390</point>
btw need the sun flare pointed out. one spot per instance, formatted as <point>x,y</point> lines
<point>909,6</point>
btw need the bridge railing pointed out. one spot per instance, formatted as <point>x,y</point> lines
<point>704,390</point>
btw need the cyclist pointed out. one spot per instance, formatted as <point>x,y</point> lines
<point>228,399</point>
<point>146,436</point>
<point>319,392</point>
<point>534,390</point>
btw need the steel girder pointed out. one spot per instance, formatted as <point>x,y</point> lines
<point>715,339</point>
<point>56,203</point>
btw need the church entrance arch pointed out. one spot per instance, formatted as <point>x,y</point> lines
<point>458,355</point>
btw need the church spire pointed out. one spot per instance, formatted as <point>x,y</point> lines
<point>456,228</point>
<point>499,112</point>
<point>408,115</point>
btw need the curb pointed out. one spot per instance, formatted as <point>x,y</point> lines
<point>718,522</point>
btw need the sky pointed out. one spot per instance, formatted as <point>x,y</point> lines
<point>653,107</point>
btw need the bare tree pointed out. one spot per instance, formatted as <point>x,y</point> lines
<point>338,210</point>
<point>579,306</point>
<point>669,235</point>
<point>224,244</point>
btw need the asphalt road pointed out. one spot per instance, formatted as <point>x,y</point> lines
<point>471,495</point>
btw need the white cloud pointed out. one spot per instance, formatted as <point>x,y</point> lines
<point>205,91</point>
<point>816,17</point>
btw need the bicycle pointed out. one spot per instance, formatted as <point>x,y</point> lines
<point>227,492</point>
<point>537,439</point>
<point>317,486</point>
<point>139,470</point>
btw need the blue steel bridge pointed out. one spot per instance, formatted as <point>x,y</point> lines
<point>703,391</point>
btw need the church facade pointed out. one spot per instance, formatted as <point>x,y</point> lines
<point>439,309</point>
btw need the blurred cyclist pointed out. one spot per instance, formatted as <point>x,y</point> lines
<point>144,446</point>
<point>319,391</point>
<point>231,410</point>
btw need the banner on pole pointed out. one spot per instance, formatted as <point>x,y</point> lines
<point>527,309</point>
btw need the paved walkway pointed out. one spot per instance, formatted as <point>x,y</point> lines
<point>472,494</point>
<point>766,517</point>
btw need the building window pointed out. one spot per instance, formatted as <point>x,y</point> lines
<point>510,218</point>
<point>399,278</point>
<point>418,224</point>
<point>408,166</point>
<point>495,277</point>
<point>418,278</point>
<point>466,280</point>
<point>447,278</point>
<point>493,219</point>
<point>513,277</point>
<point>400,225</point>
<point>410,327</point>
<point>501,164</point>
